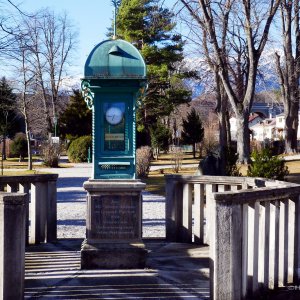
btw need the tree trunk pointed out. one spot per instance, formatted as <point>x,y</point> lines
<point>4,147</point>
<point>242,136</point>
<point>289,73</point>
<point>194,150</point>
<point>29,149</point>
<point>228,134</point>
<point>291,129</point>
<point>223,143</point>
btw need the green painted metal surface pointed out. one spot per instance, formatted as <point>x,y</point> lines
<point>115,59</point>
<point>114,78</point>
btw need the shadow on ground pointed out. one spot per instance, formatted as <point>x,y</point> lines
<point>173,271</point>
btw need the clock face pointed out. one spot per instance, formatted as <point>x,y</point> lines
<point>114,115</point>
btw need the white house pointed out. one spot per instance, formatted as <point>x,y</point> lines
<point>265,130</point>
<point>272,129</point>
<point>254,119</point>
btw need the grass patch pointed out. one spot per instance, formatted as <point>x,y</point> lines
<point>21,172</point>
<point>166,159</point>
<point>14,163</point>
<point>294,169</point>
<point>155,182</point>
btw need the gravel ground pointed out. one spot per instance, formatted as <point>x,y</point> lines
<point>71,205</point>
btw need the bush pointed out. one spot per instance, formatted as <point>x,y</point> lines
<point>143,159</point>
<point>69,139</point>
<point>18,147</point>
<point>78,149</point>
<point>50,153</point>
<point>263,164</point>
<point>231,168</point>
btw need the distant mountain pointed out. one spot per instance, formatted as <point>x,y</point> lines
<point>267,79</point>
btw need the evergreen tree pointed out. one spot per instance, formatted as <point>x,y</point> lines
<point>9,120</point>
<point>264,164</point>
<point>160,138</point>
<point>76,120</point>
<point>7,106</point>
<point>150,28</point>
<point>193,130</point>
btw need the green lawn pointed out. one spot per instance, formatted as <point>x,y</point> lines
<point>165,159</point>
<point>156,182</point>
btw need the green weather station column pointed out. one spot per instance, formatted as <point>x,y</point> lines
<point>114,79</point>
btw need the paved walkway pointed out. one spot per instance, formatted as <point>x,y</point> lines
<point>71,205</point>
<point>174,271</point>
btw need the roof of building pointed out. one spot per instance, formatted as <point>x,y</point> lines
<point>254,116</point>
<point>265,123</point>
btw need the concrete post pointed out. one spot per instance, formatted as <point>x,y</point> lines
<point>297,241</point>
<point>199,213</point>
<point>12,187</point>
<point>12,243</point>
<point>226,251</point>
<point>51,212</point>
<point>38,228</point>
<point>172,213</point>
<point>25,188</point>
<point>186,234</point>
<point>210,189</point>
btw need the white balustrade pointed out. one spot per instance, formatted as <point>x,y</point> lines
<point>252,226</point>
<point>40,197</point>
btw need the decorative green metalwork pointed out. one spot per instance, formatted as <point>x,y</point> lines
<point>87,94</point>
<point>114,80</point>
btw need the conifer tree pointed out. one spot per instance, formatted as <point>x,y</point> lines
<point>76,120</point>
<point>193,130</point>
<point>149,26</point>
<point>7,101</point>
<point>160,138</point>
<point>7,114</point>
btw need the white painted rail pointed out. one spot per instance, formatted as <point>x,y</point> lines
<point>251,224</point>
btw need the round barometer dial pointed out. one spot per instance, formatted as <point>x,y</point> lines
<point>114,115</point>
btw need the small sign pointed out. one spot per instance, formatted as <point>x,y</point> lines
<point>114,217</point>
<point>114,137</point>
<point>55,140</point>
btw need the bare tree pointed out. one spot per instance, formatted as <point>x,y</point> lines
<point>25,76</point>
<point>242,26</point>
<point>202,47</point>
<point>8,30</point>
<point>51,40</point>
<point>288,69</point>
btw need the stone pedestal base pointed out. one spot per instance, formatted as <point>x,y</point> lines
<point>113,225</point>
<point>113,255</point>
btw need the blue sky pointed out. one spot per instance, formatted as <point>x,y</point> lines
<point>90,17</point>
